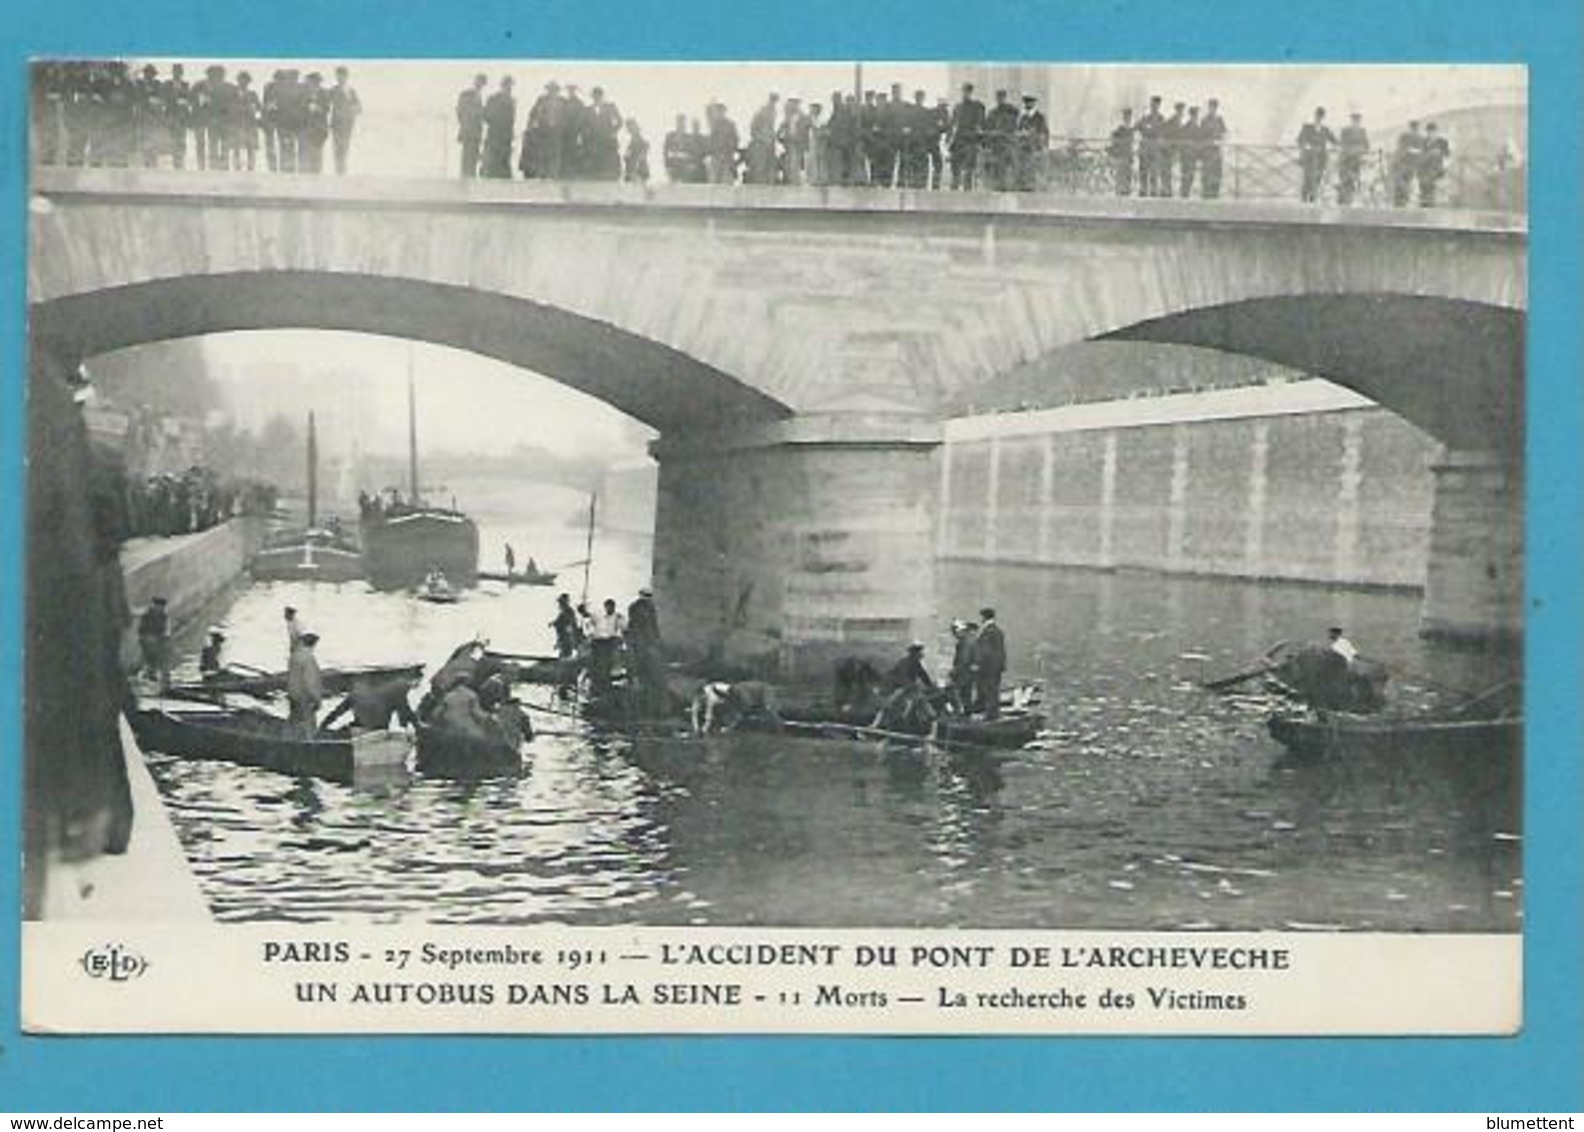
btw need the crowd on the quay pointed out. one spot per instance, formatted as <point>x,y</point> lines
<point>196,500</point>
<point>113,114</point>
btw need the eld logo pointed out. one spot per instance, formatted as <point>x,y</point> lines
<point>114,962</point>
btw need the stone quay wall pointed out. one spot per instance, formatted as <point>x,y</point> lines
<point>1302,481</point>
<point>188,571</point>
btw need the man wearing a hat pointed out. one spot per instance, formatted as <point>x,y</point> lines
<point>212,98</point>
<point>209,655</point>
<point>1173,138</point>
<point>345,108</point>
<point>242,129</point>
<point>470,125</point>
<point>989,663</point>
<point>908,706</point>
<point>1033,139</point>
<point>315,124</point>
<point>965,635</point>
<point>1000,142</point>
<point>285,109</point>
<point>500,124</point>
<point>542,141</point>
<point>305,684</point>
<point>148,114</point>
<point>178,114</point>
<point>644,646</point>
<point>1341,645</point>
<point>153,631</point>
<point>1149,128</point>
<point>963,136</point>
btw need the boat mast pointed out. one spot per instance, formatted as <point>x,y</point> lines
<point>412,432</point>
<point>313,474</point>
<point>588,548</point>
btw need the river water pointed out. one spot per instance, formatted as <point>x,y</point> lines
<point>1148,804</point>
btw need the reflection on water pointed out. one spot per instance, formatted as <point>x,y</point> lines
<point>1148,804</point>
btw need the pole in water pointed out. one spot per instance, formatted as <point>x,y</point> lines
<point>313,474</point>
<point>412,432</point>
<point>588,549</point>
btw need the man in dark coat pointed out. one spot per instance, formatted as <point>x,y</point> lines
<point>345,109</point>
<point>315,125</point>
<point>1314,147</point>
<point>178,114</point>
<point>644,646</point>
<point>1432,164</point>
<point>1212,136</point>
<point>1033,139</point>
<point>1354,147</point>
<point>989,663</point>
<point>1121,152</point>
<point>470,125</point>
<point>500,124</point>
<point>1001,143</point>
<point>963,138</point>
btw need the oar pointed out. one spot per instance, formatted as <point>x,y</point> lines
<point>1226,682</point>
<point>529,658</point>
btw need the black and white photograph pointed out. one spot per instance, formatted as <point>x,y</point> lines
<point>921,497</point>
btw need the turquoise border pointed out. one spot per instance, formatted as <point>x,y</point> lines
<point>1537,1071</point>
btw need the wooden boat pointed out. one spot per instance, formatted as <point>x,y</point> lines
<point>520,577</point>
<point>404,542</point>
<point>337,681</point>
<point>315,553</point>
<point>254,738</point>
<point>445,753</point>
<point>438,591</point>
<point>1011,730</point>
<point>1346,734</point>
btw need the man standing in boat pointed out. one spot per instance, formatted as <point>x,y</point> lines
<point>1342,646</point>
<point>643,643</point>
<point>606,629</point>
<point>989,663</point>
<point>154,642</point>
<point>305,684</point>
<point>966,635</point>
<point>209,655</point>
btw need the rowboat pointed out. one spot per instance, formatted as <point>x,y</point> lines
<point>337,681</point>
<point>446,753</point>
<point>254,738</point>
<point>1008,732</point>
<point>1484,726</point>
<point>1345,734</point>
<point>437,590</point>
<point>525,577</point>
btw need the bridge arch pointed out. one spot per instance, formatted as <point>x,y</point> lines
<point>654,383</point>
<point>1452,367</point>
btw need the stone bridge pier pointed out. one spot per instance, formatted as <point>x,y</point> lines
<point>789,545</point>
<point>1474,579</point>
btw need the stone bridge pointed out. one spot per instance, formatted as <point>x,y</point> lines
<point>796,347</point>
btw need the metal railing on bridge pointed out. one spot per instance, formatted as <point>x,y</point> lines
<point>406,145</point>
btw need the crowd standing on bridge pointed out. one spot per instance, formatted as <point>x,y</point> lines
<point>100,113</point>
<point>891,140</point>
<point>107,113</point>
